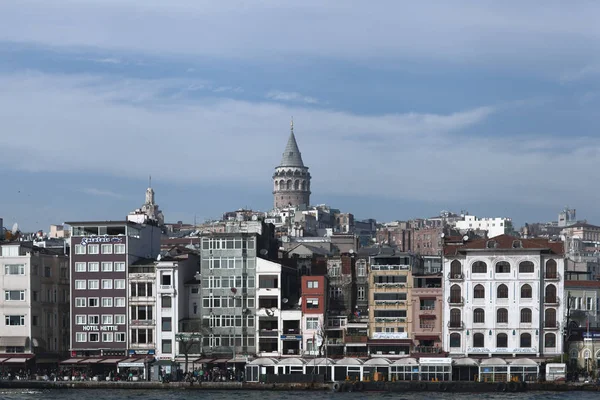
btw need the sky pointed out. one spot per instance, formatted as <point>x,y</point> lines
<point>401,109</point>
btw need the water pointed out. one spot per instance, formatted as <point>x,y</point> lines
<point>98,394</point>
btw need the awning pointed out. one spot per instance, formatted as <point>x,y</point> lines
<point>390,342</point>
<point>15,360</point>
<point>204,360</point>
<point>91,361</point>
<point>220,361</point>
<point>427,316</point>
<point>13,341</point>
<point>72,361</point>
<point>238,360</point>
<point>131,363</point>
<point>2,360</point>
<point>111,360</point>
<point>427,337</point>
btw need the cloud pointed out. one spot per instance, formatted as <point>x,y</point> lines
<point>102,193</point>
<point>579,74</point>
<point>290,96</point>
<point>129,129</point>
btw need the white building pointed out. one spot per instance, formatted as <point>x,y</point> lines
<point>494,226</point>
<point>504,297</point>
<point>268,307</point>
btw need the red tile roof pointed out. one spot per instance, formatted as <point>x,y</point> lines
<point>505,242</point>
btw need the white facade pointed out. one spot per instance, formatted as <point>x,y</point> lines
<point>494,226</point>
<point>169,305</point>
<point>268,308</point>
<point>503,302</point>
<point>312,333</point>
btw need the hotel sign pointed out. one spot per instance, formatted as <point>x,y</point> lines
<point>100,328</point>
<point>524,350</point>
<point>390,335</point>
<point>101,239</point>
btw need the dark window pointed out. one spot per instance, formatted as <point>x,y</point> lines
<point>502,292</point>
<point>550,294</point>
<point>455,319</point>
<point>479,267</point>
<point>455,294</point>
<point>478,292</point>
<point>526,267</point>
<point>502,316</point>
<point>478,340</point>
<point>167,346</point>
<point>166,301</point>
<point>551,272</point>
<point>455,340</point>
<point>526,316</point>
<point>525,340</point>
<point>550,318</point>
<point>491,244</point>
<point>502,340</point>
<point>550,340</point>
<point>478,316</point>
<point>455,269</point>
<point>526,291</point>
<point>166,324</point>
<point>502,267</point>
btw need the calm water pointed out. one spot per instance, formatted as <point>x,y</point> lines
<point>96,394</point>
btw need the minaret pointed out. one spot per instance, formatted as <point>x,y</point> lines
<point>291,180</point>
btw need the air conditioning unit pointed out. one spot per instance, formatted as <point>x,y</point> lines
<point>392,352</point>
<point>456,276</point>
<point>379,352</point>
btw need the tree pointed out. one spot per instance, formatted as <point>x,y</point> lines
<point>186,343</point>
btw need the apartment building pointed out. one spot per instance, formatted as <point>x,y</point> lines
<point>34,304</point>
<point>314,304</point>
<point>504,297</point>
<point>427,304</point>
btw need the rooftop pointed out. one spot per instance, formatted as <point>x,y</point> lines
<point>506,242</point>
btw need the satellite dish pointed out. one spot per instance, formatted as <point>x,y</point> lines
<point>15,228</point>
<point>264,252</point>
<point>442,235</point>
<point>284,300</point>
<point>351,251</point>
<point>159,257</point>
<point>466,237</point>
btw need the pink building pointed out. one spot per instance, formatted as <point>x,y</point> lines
<point>427,311</point>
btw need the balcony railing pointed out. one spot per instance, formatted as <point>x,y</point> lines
<point>551,300</point>
<point>386,285</point>
<point>427,308</point>
<point>553,277</point>
<point>456,300</point>
<point>456,325</point>
<point>268,332</point>
<point>401,267</point>
<point>142,322</point>
<point>390,319</point>
<point>166,287</point>
<point>428,350</point>
<point>427,326</point>
<point>456,277</point>
<point>356,338</point>
<point>335,341</point>
<point>291,331</point>
<point>551,324</point>
<point>387,302</point>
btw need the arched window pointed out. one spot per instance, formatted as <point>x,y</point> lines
<point>502,316</point>
<point>455,269</point>
<point>550,340</point>
<point>281,184</point>
<point>276,186</point>
<point>526,292</point>
<point>502,292</point>
<point>478,292</point>
<point>526,316</point>
<point>550,318</point>
<point>303,185</point>
<point>296,184</point>
<point>502,267</point>
<point>551,272</point>
<point>478,316</point>
<point>550,294</point>
<point>478,340</point>
<point>455,340</point>
<point>526,267</point>
<point>288,185</point>
<point>502,340</point>
<point>455,318</point>
<point>455,294</point>
<point>525,340</point>
<point>479,267</point>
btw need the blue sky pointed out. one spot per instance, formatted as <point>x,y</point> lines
<point>401,109</point>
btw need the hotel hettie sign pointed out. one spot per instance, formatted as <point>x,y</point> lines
<point>107,328</point>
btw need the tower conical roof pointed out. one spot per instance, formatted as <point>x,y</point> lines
<point>291,155</point>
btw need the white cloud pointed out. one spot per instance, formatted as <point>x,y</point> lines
<point>88,124</point>
<point>101,193</point>
<point>291,96</point>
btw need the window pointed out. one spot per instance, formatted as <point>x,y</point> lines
<point>93,284</point>
<point>47,272</point>
<point>93,249</point>
<point>14,295</point>
<point>525,340</point>
<point>517,244</point>
<point>119,337</point>
<point>361,293</point>
<point>119,249</point>
<point>80,284</point>
<point>491,244</point>
<point>119,301</point>
<point>502,316</point>
<point>94,337</point>
<point>107,320</point>
<point>526,267</point>
<point>120,319</point>
<point>107,266</point>
<point>550,340</point>
<point>166,324</point>
<point>589,303</point>
<point>80,301</point>
<point>81,319</point>
<point>502,340</point>
<point>478,340</point>
<point>119,267</point>
<point>502,292</point>
<point>479,267</point>
<point>551,272</point>
<point>455,340</point>
<point>455,271</point>
<point>107,283</point>
<point>455,294</point>
<point>502,267</point>
<point>334,269</point>
<point>165,280</point>
<point>79,267</point>
<point>107,302</point>
<point>361,268</point>
<point>167,346</point>
<point>312,303</point>
<point>335,293</point>
<point>119,283</point>
<point>166,301</point>
<point>478,316</point>
<point>93,267</point>
<point>93,302</point>
<point>550,294</point>
<point>455,318</point>
<point>107,336</point>
<point>550,318</point>
<point>79,249</point>
<point>80,337</point>
<point>107,249</point>
<point>14,269</point>
<point>313,284</point>
<point>312,323</point>
<point>14,320</point>
<point>93,319</point>
<point>478,292</point>
<point>526,291</point>
<point>526,316</point>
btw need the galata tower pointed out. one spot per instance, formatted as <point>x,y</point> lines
<point>291,180</point>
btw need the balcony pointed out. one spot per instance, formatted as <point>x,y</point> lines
<point>456,325</point>
<point>335,341</point>
<point>142,322</point>
<point>551,324</point>
<point>552,301</point>
<point>268,333</point>
<point>456,300</point>
<point>427,350</point>
<point>455,277</point>
<point>552,277</point>
<point>390,285</point>
<point>356,339</point>
<point>427,326</point>
<point>401,267</point>
<point>427,308</point>
<point>390,319</point>
<point>390,302</point>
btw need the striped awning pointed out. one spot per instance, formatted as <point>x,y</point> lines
<point>13,341</point>
<point>15,360</point>
<point>72,361</point>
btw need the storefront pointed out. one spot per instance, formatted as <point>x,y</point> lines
<point>465,369</point>
<point>524,370</point>
<point>405,369</point>
<point>134,368</point>
<point>350,368</point>
<point>435,369</point>
<point>258,367</point>
<point>375,368</point>
<point>493,370</point>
